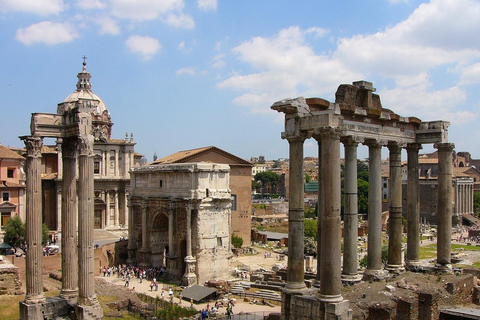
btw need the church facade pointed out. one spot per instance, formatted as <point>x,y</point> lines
<point>112,162</point>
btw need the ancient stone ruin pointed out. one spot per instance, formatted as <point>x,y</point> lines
<point>357,117</point>
<point>74,126</point>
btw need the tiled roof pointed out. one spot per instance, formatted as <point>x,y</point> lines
<point>6,153</point>
<point>427,160</point>
<point>49,149</point>
<point>5,184</point>
<point>187,154</point>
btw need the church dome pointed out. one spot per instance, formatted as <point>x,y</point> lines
<point>84,92</point>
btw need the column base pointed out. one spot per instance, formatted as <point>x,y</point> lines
<point>444,268</point>
<point>51,308</point>
<point>351,277</point>
<point>374,275</point>
<point>295,288</point>
<point>395,268</point>
<point>337,310</point>
<point>412,265</point>
<point>35,299</point>
<point>190,277</point>
<point>330,298</point>
<point>71,295</point>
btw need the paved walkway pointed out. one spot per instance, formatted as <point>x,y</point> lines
<point>240,306</point>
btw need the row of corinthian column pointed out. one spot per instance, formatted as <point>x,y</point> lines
<point>329,269</point>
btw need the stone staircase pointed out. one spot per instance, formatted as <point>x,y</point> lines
<point>267,294</point>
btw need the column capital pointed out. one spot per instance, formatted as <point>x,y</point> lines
<point>395,146</point>
<point>296,136</point>
<point>375,143</point>
<point>414,147</point>
<point>33,145</point>
<point>445,146</point>
<point>331,132</point>
<point>85,145</point>
<point>70,148</point>
<point>352,141</point>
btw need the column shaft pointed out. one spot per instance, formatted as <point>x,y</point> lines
<point>320,207</point>
<point>395,219</point>
<point>350,229</point>
<point>374,264</point>
<point>107,208</point>
<point>295,271</point>
<point>33,234</point>
<point>131,235</point>
<point>445,194</point>
<point>69,221</point>
<point>189,232</point>
<point>330,277</point>
<point>86,281</point>
<point>116,212</point>
<point>413,207</point>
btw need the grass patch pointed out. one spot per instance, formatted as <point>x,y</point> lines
<point>9,308</point>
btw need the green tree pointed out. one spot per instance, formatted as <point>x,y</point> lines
<point>15,234</point>
<point>267,178</point>
<point>362,196</point>
<point>311,228</point>
<point>237,241</point>
<point>307,178</point>
<point>476,202</point>
<point>364,261</point>
<point>310,246</point>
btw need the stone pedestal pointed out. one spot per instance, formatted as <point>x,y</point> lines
<point>190,277</point>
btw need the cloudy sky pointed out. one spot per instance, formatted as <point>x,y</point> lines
<point>183,74</point>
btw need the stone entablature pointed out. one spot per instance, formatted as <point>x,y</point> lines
<point>181,218</point>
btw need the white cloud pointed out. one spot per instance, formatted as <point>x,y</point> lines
<point>145,9</point>
<point>218,60</point>
<point>318,32</point>
<point>91,4</point>
<point>207,5</point>
<point>108,25</point>
<point>146,46</point>
<point>44,7</point>
<point>470,74</point>
<point>187,70</point>
<point>46,32</point>
<point>180,21</point>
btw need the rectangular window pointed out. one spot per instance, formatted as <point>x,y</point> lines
<point>234,202</point>
<point>96,167</point>
<point>6,196</point>
<point>10,173</point>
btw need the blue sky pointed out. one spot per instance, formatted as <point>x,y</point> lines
<point>184,74</point>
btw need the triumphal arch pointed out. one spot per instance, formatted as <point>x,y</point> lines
<point>180,219</point>
<point>357,116</point>
<point>72,124</point>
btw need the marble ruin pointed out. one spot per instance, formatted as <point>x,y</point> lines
<point>73,124</point>
<point>357,117</point>
<point>181,219</point>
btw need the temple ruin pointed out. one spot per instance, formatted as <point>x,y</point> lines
<point>74,127</point>
<point>357,117</point>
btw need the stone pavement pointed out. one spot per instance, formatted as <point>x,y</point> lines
<point>144,287</point>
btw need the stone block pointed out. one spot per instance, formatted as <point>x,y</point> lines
<point>427,306</point>
<point>404,310</point>
<point>476,295</point>
<point>380,312</point>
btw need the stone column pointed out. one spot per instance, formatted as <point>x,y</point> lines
<point>59,159</point>
<point>395,227</point>
<point>145,249</point>
<point>34,265</point>
<point>116,214</point>
<point>413,207</point>
<point>320,208</point>
<point>126,210</point>
<point>116,169</point>
<point>132,246</point>
<point>107,208</point>
<point>189,278</point>
<point>58,194</point>
<point>350,229</point>
<point>86,281</point>
<point>69,221</point>
<point>330,257</point>
<point>374,264</point>
<point>445,194</point>
<point>295,268</point>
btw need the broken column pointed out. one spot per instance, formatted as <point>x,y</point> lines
<point>445,198</point>
<point>395,226</point>
<point>190,277</point>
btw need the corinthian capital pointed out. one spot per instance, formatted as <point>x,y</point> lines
<point>85,144</point>
<point>33,145</point>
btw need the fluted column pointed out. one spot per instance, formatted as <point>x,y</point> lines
<point>374,263</point>
<point>58,194</point>
<point>145,250</point>
<point>107,208</point>
<point>171,233</point>
<point>116,214</point>
<point>126,211</point>
<point>320,207</point>
<point>295,269</point>
<point>445,194</point>
<point>86,283</point>
<point>330,276</point>
<point>69,221</point>
<point>413,207</point>
<point>132,246</point>
<point>350,229</point>
<point>189,278</point>
<point>395,219</point>
<point>117,168</point>
<point>34,283</point>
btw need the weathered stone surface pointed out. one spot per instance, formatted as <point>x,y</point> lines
<point>427,306</point>
<point>380,312</point>
<point>9,279</point>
